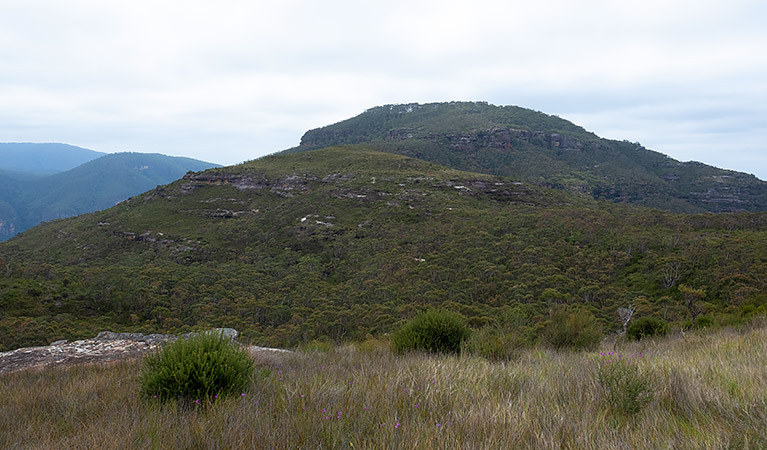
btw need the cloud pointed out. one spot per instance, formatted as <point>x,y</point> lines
<point>233,80</point>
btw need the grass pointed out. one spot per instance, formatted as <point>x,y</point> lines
<point>708,392</point>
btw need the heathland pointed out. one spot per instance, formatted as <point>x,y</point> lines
<point>698,390</point>
<point>553,246</point>
<point>348,242</point>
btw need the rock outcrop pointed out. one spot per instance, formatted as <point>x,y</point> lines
<point>503,138</point>
<point>251,181</point>
<point>98,349</point>
<point>106,346</point>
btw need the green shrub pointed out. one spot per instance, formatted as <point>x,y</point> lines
<point>434,331</point>
<point>493,344</point>
<point>704,321</point>
<point>576,330</point>
<point>647,327</point>
<point>626,390</point>
<point>199,368</point>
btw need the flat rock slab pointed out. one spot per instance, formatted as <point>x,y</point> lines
<point>107,346</point>
<point>84,351</point>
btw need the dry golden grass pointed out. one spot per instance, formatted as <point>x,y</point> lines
<point>708,392</point>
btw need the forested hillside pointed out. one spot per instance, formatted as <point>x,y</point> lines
<point>346,242</point>
<point>547,150</point>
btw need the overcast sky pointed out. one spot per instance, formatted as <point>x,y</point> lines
<point>232,80</point>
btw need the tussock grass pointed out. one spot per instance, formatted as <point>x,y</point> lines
<point>708,392</point>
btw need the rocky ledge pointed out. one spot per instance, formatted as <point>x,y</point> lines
<point>107,346</point>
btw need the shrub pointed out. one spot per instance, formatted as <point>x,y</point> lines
<point>704,321</point>
<point>434,331</point>
<point>198,368</point>
<point>493,344</point>
<point>626,390</point>
<point>647,327</point>
<point>576,330</point>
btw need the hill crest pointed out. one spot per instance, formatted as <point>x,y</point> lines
<point>543,149</point>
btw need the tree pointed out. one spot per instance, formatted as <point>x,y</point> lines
<point>692,300</point>
<point>670,273</point>
<point>625,315</point>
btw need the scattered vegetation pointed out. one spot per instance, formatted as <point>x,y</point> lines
<point>196,369</point>
<point>701,390</point>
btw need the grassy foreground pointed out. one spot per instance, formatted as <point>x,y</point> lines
<point>705,391</point>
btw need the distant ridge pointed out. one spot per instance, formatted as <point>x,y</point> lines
<point>97,184</point>
<point>43,159</point>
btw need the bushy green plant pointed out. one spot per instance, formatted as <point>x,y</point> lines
<point>434,331</point>
<point>577,329</point>
<point>626,390</point>
<point>198,368</point>
<point>704,321</point>
<point>493,344</point>
<point>647,327</point>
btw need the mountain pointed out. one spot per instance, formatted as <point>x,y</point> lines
<point>95,185</point>
<point>43,159</point>
<point>535,147</point>
<point>346,242</point>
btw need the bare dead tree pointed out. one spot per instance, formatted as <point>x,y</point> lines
<point>625,314</point>
<point>670,274</point>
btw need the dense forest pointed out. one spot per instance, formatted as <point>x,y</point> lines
<point>347,242</point>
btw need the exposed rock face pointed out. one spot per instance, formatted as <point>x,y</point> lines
<point>321,136</point>
<point>287,186</point>
<point>106,346</point>
<point>497,137</point>
<point>502,138</point>
<point>291,185</point>
<point>252,181</point>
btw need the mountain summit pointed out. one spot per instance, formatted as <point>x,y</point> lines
<point>547,150</point>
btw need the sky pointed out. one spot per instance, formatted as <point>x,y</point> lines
<point>233,80</point>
